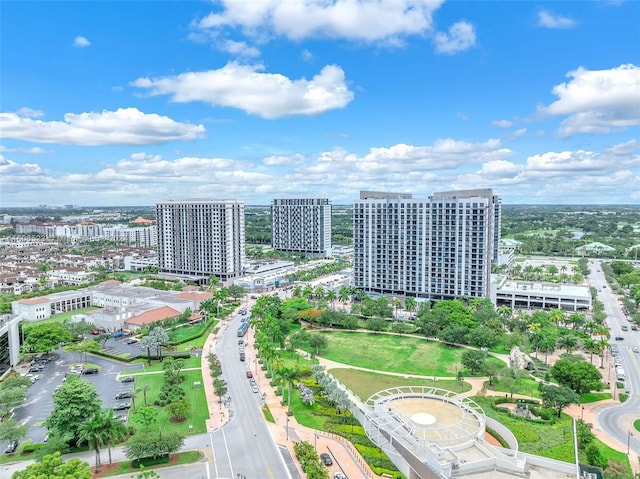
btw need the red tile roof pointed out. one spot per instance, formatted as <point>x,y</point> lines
<point>34,300</point>
<point>110,282</point>
<point>153,316</point>
<point>196,296</point>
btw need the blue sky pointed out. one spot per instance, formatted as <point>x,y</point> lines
<point>130,103</point>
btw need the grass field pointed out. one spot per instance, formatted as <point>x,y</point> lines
<point>198,343</point>
<point>192,362</point>
<point>187,457</point>
<point>400,353</point>
<point>526,387</point>
<point>195,397</point>
<point>60,317</point>
<point>593,397</point>
<point>365,383</point>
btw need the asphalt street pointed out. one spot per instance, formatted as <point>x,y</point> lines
<point>616,420</point>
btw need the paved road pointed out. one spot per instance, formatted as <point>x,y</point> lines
<point>616,420</point>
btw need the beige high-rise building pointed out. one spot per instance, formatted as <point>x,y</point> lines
<point>302,225</point>
<point>436,248</point>
<point>201,237</point>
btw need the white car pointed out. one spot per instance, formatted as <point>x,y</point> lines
<point>340,475</point>
<point>636,349</point>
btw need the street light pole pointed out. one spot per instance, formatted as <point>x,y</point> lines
<point>287,417</point>
<point>628,441</point>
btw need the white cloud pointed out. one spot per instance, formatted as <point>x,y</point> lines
<point>548,19</point>
<point>460,37</point>
<point>519,132</point>
<point>81,42</point>
<point>29,112</point>
<point>269,95</point>
<point>307,56</point>
<point>579,176</point>
<point>502,123</point>
<point>608,176</point>
<point>238,49</point>
<point>386,21</point>
<point>125,126</point>
<point>35,150</point>
<point>597,101</point>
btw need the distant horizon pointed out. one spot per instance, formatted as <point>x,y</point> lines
<point>536,205</point>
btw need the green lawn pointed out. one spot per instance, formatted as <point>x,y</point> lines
<point>196,397</point>
<point>60,317</point>
<point>636,424</point>
<point>365,383</point>
<point>400,353</point>
<point>187,457</point>
<point>593,397</point>
<point>192,362</point>
<point>198,343</point>
<point>526,387</point>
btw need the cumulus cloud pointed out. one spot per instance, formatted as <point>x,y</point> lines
<point>610,176</point>
<point>81,42</point>
<point>548,19</point>
<point>125,126</point>
<point>238,49</point>
<point>502,123</point>
<point>29,112</point>
<point>597,101</point>
<point>268,95</point>
<point>35,150</point>
<point>460,37</point>
<point>387,21</point>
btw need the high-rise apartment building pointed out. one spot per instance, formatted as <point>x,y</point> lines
<point>436,248</point>
<point>302,225</point>
<point>201,237</point>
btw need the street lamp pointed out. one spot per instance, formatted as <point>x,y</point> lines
<point>582,413</point>
<point>315,440</point>
<point>629,441</point>
<point>287,418</point>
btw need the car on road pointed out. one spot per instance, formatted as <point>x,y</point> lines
<point>326,459</point>
<point>625,328</point>
<point>122,405</point>
<point>636,349</point>
<point>11,447</point>
<point>619,338</point>
<point>255,388</point>
<point>124,395</point>
<point>340,475</point>
<point>132,341</point>
<point>240,341</point>
<point>249,374</point>
<point>90,371</point>
<point>128,379</point>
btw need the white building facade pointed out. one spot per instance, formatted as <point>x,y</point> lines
<point>436,248</point>
<point>302,225</point>
<point>201,238</point>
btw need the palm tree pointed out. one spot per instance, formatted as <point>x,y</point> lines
<point>144,390</point>
<point>410,304</point>
<point>297,291</point>
<point>113,429</point>
<point>318,292</point>
<point>92,432</point>
<point>556,315</point>
<point>344,294</point>
<point>567,342</point>
<point>331,297</point>
<point>590,345</point>
<point>290,375</point>
<point>396,304</point>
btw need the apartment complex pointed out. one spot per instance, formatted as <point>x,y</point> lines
<point>200,238</point>
<point>436,248</point>
<point>139,236</point>
<point>302,225</point>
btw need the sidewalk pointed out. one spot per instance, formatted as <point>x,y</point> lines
<point>287,431</point>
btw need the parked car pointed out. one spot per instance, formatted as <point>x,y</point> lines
<point>124,395</point>
<point>132,341</point>
<point>122,405</point>
<point>340,475</point>
<point>11,447</point>
<point>326,459</point>
<point>625,328</point>
<point>91,371</point>
<point>128,379</point>
<point>255,388</point>
<point>249,374</point>
<point>636,349</point>
<point>619,338</point>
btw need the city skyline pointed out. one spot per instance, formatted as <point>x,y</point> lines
<point>134,103</point>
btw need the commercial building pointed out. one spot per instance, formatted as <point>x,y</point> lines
<point>200,238</point>
<point>302,225</point>
<point>538,295</point>
<point>437,248</point>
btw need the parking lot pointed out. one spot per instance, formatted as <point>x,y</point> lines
<point>39,402</point>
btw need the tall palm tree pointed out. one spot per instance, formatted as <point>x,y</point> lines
<point>145,390</point>
<point>92,433</point>
<point>590,345</point>
<point>114,430</point>
<point>344,294</point>
<point>568,342</point>
<point>410,304</point>
<point>297,291</point>
<point>290,375</point>
<point>331,296</point>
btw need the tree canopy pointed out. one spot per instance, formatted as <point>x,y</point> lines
<point>581,376</point>
<point>42,338</point>
<point>52,467</point>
